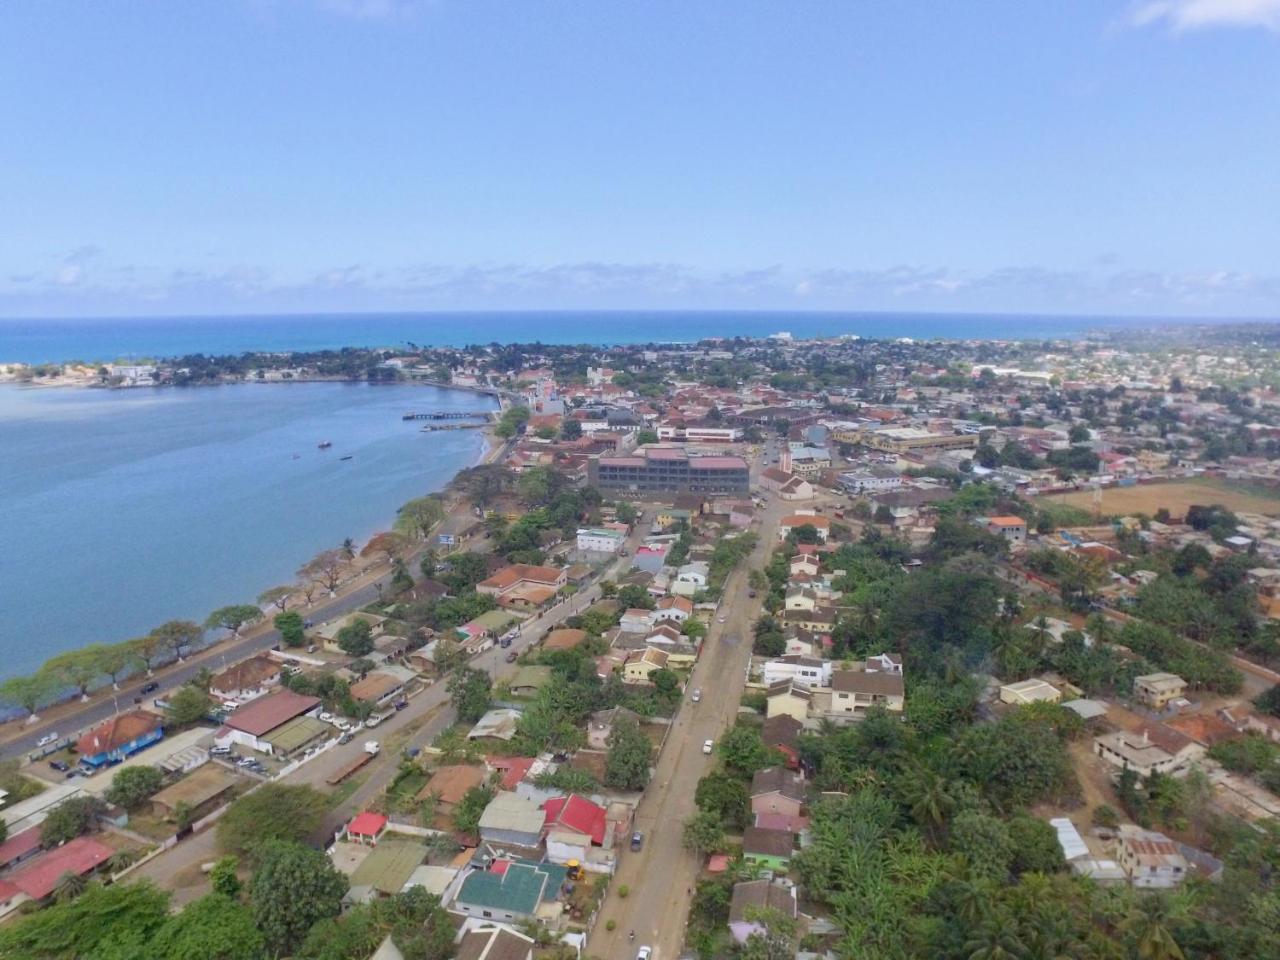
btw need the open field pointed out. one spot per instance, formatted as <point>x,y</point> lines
<point>1175,496</point>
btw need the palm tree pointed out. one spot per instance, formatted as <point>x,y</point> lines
<point>996,939</point>
<point>1148,923</point>
<point>69,886</point>
<point>926,794</point>
<point>349,548</point>
<point>120,860</point>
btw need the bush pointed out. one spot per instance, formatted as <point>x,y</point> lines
<point>623,890</point>
<point>611,925</point>
<point>1106,816</point>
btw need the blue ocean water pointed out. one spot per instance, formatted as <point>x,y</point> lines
<point>122,509</point>
<point>50,341</point>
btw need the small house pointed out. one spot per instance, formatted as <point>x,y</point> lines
<point>777,790</point>
<point>120,738</point>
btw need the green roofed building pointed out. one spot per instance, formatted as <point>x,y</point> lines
<point>512,890</point>
<point>297,734</point>
<point>387,869</point>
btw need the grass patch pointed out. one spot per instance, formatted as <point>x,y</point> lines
<point>19,786</point>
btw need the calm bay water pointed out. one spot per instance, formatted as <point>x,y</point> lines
<point>122,509</point>
<point>52,341</point>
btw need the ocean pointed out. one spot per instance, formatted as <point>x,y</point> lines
<point>53,341</point>
<point>122,509</point>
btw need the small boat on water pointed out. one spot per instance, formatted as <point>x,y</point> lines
<point>325,444</point>
<point>347,457</point>
<point>297,456</point>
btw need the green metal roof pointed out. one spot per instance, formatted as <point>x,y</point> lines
<point>517,890</point>
<point>389,866</point>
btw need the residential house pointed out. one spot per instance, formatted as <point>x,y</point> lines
<point>449,784</point>
<point>787,698</point>
<point>777,790</point>
<point>38,878</point>
<point>523,584</point>
<point>119,738</point>
<point>854,692</point>
<point>1158,690</point>
<point>494,943</point>
<point>511,820</point>
<point>797,520</point>
<point>690,579</point>
<point>771,849</point>
<point>1150,858</point>
<point>636,620</point>
<point>806,671</point>
<point>804,564</point>
<point>751,896</point>
<point>376,688</point>
<point>528,680</point>
<point>780,733</point>
<point>641,665</point>
<point>1155,748</point>
<point>1029,691</point>
<point>576,830</point>
<point>498,724</point>
<point>674,609</point>
<point>600,726</point>
<point>246,680</point>
<point>512,891</point>
<point>800,598</point>
<point>884,663</point>
<point>1011,528</point>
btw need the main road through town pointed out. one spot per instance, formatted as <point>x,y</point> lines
<point>661,876</point>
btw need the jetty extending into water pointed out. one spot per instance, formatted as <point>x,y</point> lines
<point>484,415</point>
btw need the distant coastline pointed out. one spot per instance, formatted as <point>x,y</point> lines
<point>92,340</point>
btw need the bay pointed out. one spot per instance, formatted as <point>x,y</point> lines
<point>122,509</point>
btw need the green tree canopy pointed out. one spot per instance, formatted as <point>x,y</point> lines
<point>627,763</point>
<point>293,888</point>
<point>469,689</point>
<point>292,628</point>
<point>234,617</point>
<point>275,811</point>
<point>132,786</point>
<point>188,705</point>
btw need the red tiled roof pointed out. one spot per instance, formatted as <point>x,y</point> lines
<point>367,824</point>
<point>79,857</point>
<point>19,845</point>
<point>117,731</point>
<point>1006,521</point>
<point>514,769</point>
<point>266,713</point>
<point>578,814</point>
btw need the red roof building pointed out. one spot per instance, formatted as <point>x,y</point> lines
<point>366,827</point>
<point>266,713</point>
<point>20,846</point>
<point>80,856</point>
<point>514,769</point>
<point>577,814</point>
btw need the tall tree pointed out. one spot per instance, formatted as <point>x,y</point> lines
<point>277,597</point>
<point>293,888</point>
<point>116,659</point>
<point>326,568</point>
<point>469,689</point>
<point>389,546</point>
<point>178,635</point>
<point>215,927</point>
<point>148,649</point>
<point>233,617</point>
<point>76,668</point>
<point>29,692</point>
<point>274,811</point>
<point>627,763</point>
<point>417,517</point>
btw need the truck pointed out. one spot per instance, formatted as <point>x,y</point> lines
<point>363,757</point>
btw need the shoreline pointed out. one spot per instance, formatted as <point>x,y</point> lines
<point>489,448</point>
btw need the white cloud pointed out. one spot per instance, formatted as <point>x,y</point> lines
<point>1184,15</point>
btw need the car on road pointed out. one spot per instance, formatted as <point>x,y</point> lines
<point>708,746</point>
<point>59,766</point>
<point>637,840</point>
<point>721,619</point>
<point>400,704</point>
<point>512,656</point>
<point>346,738</point>
<point>151,687</point>
<point>697,695</point>
<point>47,739</point>
<point>327,718</point>
<point>751,594</point>
<point>374,720</point>
<point>216,751</point>
<point>645,953</point>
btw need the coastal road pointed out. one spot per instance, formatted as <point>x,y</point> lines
<point>216,657</point>
<point>663,872</point>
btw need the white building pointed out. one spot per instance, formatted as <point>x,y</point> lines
<point>806,671</point>
<point>599,540</point>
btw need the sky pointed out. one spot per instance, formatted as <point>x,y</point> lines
<point>256,156</point>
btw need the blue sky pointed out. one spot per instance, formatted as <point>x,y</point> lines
<point>246,156</point>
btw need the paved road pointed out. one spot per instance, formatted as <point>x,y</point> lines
<point>661,875</point>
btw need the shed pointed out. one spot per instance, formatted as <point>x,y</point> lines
<point>205,785</point>
<point>388,868</point>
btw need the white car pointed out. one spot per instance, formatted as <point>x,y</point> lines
<point>645,953</point>
<point>708,746</point>
<point>697,695</point>
<point>47,739</point>
<point>721,619</point>
<point>328,718</point>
